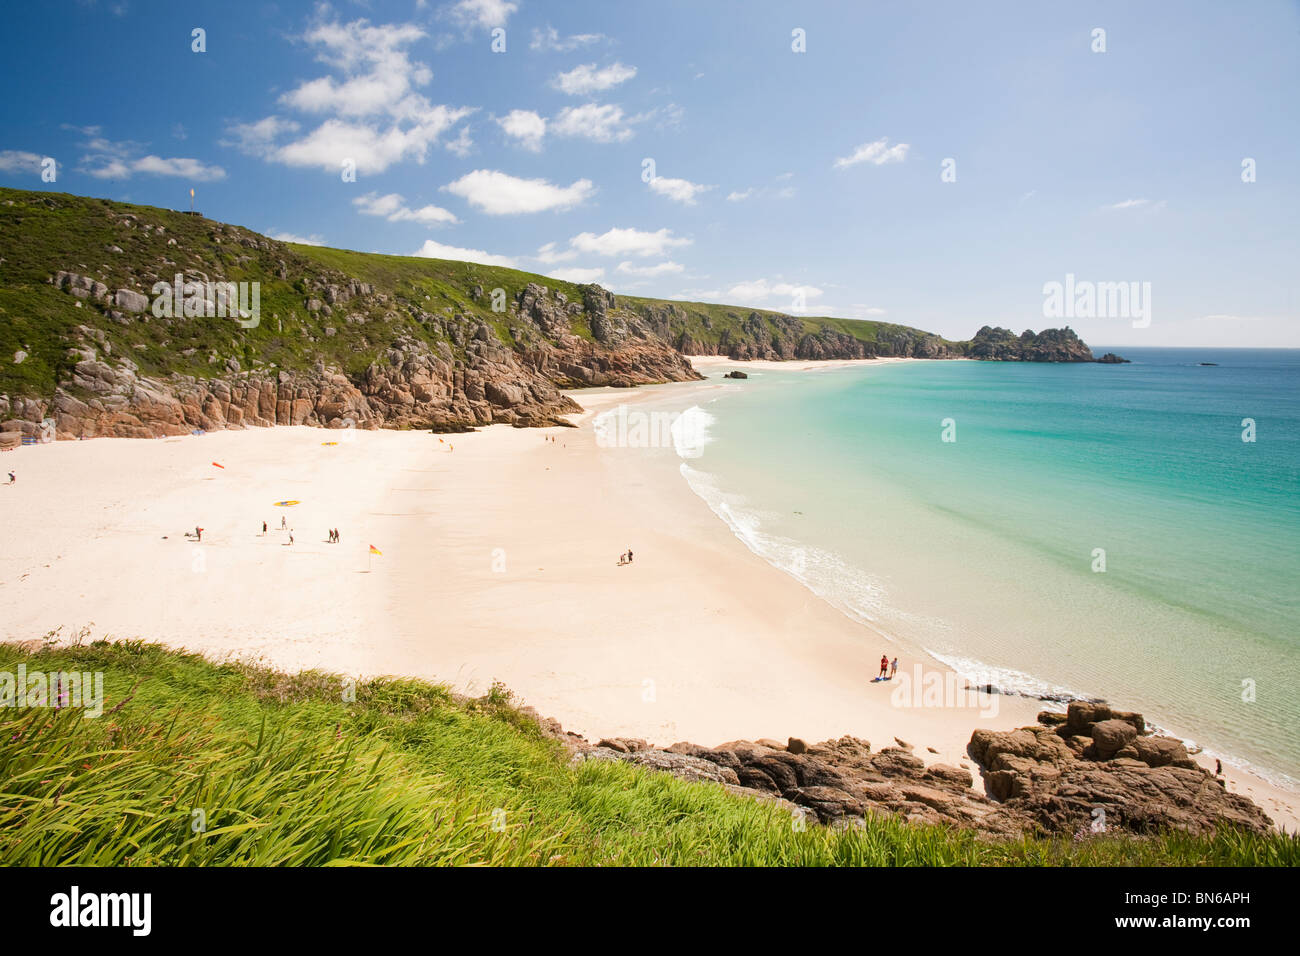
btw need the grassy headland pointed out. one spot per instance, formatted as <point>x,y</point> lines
<point>286,771</point>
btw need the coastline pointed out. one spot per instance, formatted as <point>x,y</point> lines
<point>704,363</point>
<point>499,563</point>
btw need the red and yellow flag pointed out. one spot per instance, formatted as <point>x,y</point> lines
<point>374,550</point>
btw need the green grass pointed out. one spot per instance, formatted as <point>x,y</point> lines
<point>288,772</point>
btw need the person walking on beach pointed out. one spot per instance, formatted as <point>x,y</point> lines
<point>291,537</point>
<point>198,532</point>
<point>884,665</point>
<point>283,525</point>
<point>893,668</point>
<point>12,478</point>
<point>1218,768</point>
<point>629,555</point>
<point>263,527</point>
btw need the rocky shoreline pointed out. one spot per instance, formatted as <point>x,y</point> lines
<point>1091,770</point>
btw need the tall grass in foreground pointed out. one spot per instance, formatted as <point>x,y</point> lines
<point>195,763</point>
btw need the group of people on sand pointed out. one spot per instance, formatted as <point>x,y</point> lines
<point>284,526</point>
<point>887,668</point>
<point>334,535</point>
<point>625,557</point>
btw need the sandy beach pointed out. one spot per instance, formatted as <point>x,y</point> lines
<point>500,562</point>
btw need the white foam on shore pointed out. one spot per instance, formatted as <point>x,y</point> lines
<point>846,588</point>
<point>1007,679</point>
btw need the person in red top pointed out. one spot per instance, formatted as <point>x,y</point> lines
<point>884,665</point>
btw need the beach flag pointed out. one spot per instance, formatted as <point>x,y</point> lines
<point>217,464</point>
<point>374,550</point>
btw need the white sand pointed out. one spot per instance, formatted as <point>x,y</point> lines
<point>499,563</point>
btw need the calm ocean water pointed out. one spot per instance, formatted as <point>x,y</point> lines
<point>986,551</point>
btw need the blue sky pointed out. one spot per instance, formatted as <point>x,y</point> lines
<point>781,179</point>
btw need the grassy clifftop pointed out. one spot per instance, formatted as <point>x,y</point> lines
<point>194,763</point>
<point>426,301</point>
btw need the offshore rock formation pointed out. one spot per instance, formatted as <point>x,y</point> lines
<point>1049,345</point>
<point>1091,770</point>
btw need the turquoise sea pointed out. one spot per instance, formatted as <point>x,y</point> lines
<point>987,550</point>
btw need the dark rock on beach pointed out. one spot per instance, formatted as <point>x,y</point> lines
<point>1103,763</point>
<point>1092,764</point>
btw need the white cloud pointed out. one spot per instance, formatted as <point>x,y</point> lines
<point>462,145</point>
<point>499,194</point>
<point>667,267</point>
<point>374,116</point>
<point>393,208</point>
<point>587,79</point>
<point>483,13</point>
<point>258,139</point>
<point>603,123</point>
<point>679,190</point>
<point>697,295</point>
<point>549,254</point>
<point>436,250</point>
<point>760,291</point>
<point>761,192</point>
<point>578,275</point>
<point>17,161</point>
<point>877,153</point>
<point>628,242</point>
<point>525,127</point>
<point>379,76</point>
<point>110,159</point>
<point>1136,204</point>
<point>180,167</point>
<point>372,148</point>
<point>107,159</point>
<point>312,240</point>
<point>549,39</point>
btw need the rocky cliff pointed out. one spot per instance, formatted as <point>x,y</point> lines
<point>124,320</point>
<point>340,339</point>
